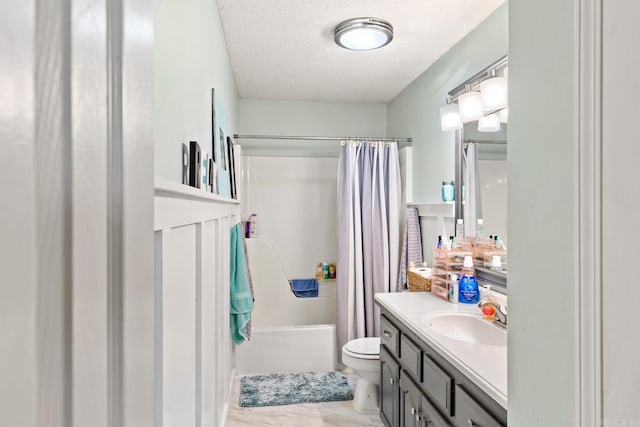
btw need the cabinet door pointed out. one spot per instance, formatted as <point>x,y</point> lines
<point>389,376</point>
<point>410,401</point>
<point>469,412</point>
<point>430,415</point>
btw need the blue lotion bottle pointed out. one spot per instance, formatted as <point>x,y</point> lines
<point>468,285</point>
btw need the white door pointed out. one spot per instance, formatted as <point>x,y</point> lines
<point>76,246</point>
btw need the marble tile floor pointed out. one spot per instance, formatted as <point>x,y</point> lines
<point>324,414</point>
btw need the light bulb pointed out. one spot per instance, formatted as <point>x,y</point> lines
<point>470,106</point>
<point>504,115</point>
<point>494,93</point>
<point>450,117</point>
<point>490,123</point>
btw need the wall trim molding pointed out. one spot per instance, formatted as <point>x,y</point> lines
<point>589,131</point>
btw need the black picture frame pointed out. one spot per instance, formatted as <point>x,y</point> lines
<point>213,124</point>
<point>223,150</point>
<point>232,167</point>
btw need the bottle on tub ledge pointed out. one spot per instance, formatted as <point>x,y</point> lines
<point>325,271</point>
<point>251,226</point>
<point>332,271</point>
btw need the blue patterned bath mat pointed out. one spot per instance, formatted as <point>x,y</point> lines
<point>287,389</point>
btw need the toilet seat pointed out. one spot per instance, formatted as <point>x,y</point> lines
<point>363,348</point>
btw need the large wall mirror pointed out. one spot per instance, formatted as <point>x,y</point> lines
<point>480,125</point>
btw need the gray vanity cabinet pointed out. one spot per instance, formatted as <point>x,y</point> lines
<point>389,392</point>
<point>410,401</point>
<point>415,409</point>
<point>420,388</point>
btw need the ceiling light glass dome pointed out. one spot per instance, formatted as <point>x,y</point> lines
<point>363,33</point>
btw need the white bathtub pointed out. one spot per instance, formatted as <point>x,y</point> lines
<point>288,334</point>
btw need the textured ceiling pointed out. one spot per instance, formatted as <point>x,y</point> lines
<point>284,49</point>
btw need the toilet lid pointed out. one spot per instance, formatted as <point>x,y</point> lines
<point>366,347</point>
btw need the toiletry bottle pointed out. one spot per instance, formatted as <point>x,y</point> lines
<point>439,242</point>
<point>253,225</point>
<point>319,271</point>
<point>496,263</point>
<point>332,271</point>
<point>460,228</point>
<point>325,271</point>
<point>479,230</point>
<point>453,289</point>
<point>468,285</point>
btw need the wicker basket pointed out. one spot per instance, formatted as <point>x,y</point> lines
<point>417,282</point>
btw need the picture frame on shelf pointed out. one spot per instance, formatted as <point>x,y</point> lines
<point>223,151</point>
<point>214,125</point>
<point>232,167</point>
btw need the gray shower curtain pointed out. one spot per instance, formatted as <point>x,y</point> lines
<point>369,208</point>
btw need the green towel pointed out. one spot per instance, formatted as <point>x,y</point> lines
<point>241,297</point>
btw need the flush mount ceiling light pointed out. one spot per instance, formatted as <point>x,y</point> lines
<point>363,33</point>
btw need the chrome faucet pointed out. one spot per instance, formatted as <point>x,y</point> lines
<point>501,312</point>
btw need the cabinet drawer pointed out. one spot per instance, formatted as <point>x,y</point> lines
<point>410,356</point>
<point>438,384</point>
<point>470,413</point>
<point>389,336</point>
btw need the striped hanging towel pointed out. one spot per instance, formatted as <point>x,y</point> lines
<point>411,247</point>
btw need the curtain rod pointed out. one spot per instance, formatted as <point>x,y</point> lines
<point>485,141</point>
<point>322,138</point>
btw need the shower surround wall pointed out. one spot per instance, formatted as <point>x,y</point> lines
<point>295,200</point>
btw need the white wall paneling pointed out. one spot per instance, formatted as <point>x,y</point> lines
<point>194,347</point>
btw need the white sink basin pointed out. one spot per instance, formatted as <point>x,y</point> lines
<point>466,327</point>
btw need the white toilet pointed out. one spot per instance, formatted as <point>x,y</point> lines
<point>362,355</point>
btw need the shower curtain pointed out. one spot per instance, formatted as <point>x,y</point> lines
<point>369,209</point>
<point>473,206</point>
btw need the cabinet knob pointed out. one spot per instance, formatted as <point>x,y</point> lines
<point>470,422</point>
<point>418,418</point>
<point>392,380</point>
<point>386,334</point>
<point>413,411</point>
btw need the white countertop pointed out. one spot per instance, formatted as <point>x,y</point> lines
<point>485,365</point>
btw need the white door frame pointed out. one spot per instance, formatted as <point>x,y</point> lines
<point>76,291</point>
<point>589,304</point>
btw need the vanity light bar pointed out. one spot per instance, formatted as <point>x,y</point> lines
<point>474,82</point>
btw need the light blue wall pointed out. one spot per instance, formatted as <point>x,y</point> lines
<point>415,112</point>
<point>543,214</point>
<point>306,118</point>
<point>190,58</point>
